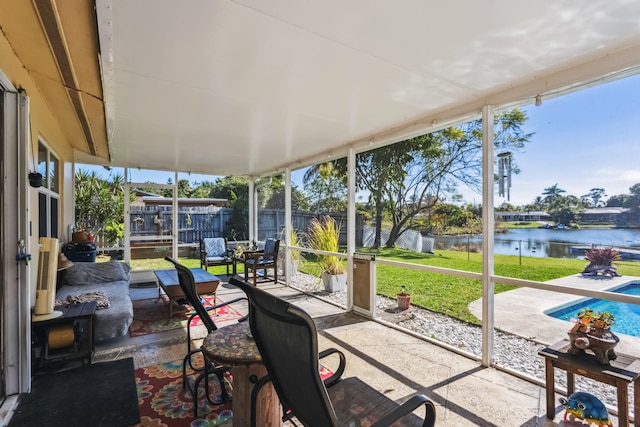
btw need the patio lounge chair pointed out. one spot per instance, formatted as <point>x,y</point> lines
<point>209,367</point>
<point>215,251</point>
<point>262,261</point>
<point>288,342</point>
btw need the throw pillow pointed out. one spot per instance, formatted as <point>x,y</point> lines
<point>84,273</point>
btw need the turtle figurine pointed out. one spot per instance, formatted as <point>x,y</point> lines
<point>587,407</point>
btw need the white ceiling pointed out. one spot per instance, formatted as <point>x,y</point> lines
<point>249,87</point>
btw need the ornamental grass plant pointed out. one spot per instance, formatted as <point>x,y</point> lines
<point>324,234</point>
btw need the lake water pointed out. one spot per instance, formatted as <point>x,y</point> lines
<point>545,243</point>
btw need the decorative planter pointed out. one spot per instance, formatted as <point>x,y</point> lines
<point>404,300</point>
<point>334,282</point>
<point>599,340</point>
<point>606,270</point>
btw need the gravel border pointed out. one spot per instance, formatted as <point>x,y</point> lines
<point>511,352</point>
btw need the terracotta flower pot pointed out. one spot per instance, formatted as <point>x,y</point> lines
<point>403,301</point>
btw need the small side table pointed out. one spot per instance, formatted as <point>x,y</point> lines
<point>232,345</point>
<point>622,372</point>
<point>65,338</point>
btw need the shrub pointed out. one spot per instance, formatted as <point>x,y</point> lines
<point>602,256</point>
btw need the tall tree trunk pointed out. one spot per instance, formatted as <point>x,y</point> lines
<point>393,236</point>
<point>377,240</point>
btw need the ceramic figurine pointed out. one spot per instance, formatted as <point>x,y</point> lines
<point>585,406</point>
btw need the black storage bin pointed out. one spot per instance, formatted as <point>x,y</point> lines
<point>80,252</point>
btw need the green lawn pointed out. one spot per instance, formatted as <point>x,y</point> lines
<point>450,294</point>
<point>438,292</point>
<point>160,263</point>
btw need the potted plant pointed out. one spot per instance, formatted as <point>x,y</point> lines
<point>324,235</point>
<point>403,298</point>
<point>592,331</point>
<point>601,262</point>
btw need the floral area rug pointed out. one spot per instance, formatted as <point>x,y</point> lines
<point>163,402</point>
<point>151,315</point>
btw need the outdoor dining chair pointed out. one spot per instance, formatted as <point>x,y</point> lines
<point>287,339</point>
<point>258,263</point>
<point>209,367</point>
<point>215,251</point>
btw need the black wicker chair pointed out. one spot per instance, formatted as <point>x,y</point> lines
<point>287,339</point>
<point>209,367</point>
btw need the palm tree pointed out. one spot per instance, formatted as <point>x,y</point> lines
<point>552,193</point>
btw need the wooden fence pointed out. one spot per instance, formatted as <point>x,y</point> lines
<point>195,223</point>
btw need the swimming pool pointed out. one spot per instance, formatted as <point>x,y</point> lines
<point>627,315</point>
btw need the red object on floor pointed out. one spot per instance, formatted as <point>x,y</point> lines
<point>151,316</point>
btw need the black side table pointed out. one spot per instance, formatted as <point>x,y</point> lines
<point>65,338</point>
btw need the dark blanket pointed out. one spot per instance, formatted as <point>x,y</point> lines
<point>100,394</point>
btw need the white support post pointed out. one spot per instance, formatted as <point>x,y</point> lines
<point>488,237</point>
<point>127,217</point>
<point>253,214</point>
<point>174,222</point>
<point>287,226</point>
<point>351,222</point>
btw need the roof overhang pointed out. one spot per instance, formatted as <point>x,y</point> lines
<point>248,87</point>
<point>57,44</point>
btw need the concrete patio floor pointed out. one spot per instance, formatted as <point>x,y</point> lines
<point>521,311</point>
<point>395,363</point>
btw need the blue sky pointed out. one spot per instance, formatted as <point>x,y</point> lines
<point>585,140</point>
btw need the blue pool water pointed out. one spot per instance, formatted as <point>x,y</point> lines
<point>627,316</point>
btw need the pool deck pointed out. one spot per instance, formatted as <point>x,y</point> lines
<point>521,311</point>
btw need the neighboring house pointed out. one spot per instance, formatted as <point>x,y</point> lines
<point>145,198</point>
<point>519,216</point>
<point>139,196</point>
<point>183,202</point>
<point>608,215</point>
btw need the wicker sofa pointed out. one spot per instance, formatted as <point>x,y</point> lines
<point>110,278</point>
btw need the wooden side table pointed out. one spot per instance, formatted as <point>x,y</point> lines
<point>622,372</point>
<point>232,345</point>
<point>65,338</point>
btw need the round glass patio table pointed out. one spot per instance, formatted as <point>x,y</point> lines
<point>233,345</point>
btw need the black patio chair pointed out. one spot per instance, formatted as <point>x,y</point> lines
<point>287,339</point>
<point>209,367</point>
<point>262,261</point>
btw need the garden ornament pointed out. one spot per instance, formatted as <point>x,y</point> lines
<point>585,406</point>
<point>591,331</point>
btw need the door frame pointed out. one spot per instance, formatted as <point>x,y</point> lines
<point>15,297</point>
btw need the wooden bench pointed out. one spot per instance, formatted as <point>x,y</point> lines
<point>622,372</point>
